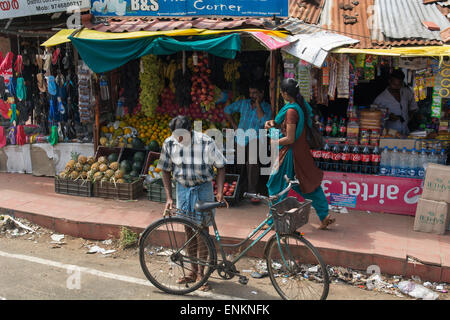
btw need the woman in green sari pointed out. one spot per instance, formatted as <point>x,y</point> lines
<point>295,159</point>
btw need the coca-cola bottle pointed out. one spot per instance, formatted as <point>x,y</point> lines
<point>329,127</point>
<point>343,128</point>
<point>346,157</point>
<point>356,159</point>
<point>336,158</point>
<point>375,159</point>
<point>366,157</point>
<point>326,156</point>
<point>317,156</point>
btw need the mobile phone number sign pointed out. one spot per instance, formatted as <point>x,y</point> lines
<point>23,8</point>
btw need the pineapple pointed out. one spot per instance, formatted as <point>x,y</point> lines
<point>119,174</point>
<point>109,173</point>
<point>78,166</point>
<point>114,166</point>
<point>82,159</point>
<point>86,167</point>
<point>90,161</point>
<point>103,167</point>
<point>102,160</point>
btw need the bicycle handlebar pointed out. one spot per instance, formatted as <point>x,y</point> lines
<point>290,182</point>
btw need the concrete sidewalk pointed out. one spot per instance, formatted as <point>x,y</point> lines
<point>358,240</point>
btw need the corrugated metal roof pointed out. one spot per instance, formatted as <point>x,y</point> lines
<point>297,26</point>
<point>400,19</point>
<point>306,10</point>
<point>146,24</point>
<point>351,23</point>
<point>367,21</point>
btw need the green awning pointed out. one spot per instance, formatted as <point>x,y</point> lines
<point>107,55</point>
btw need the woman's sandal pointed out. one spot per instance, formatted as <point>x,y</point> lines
<point>326,222</point>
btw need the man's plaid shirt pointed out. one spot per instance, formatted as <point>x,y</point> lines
<point>191,164</point>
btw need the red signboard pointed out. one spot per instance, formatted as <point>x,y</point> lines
<point>375,193</point>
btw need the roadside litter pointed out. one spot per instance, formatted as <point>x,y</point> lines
<point>13,227</point>
<point>95,249</point>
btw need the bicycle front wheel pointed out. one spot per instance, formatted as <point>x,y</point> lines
<point>171,250</point>
<point>296,268</point>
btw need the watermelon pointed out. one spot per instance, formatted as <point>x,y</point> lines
<point>134,174</point>
<point>113,157</point>
<point>154,146</point>
<point>125,166</point>
<point>137,143</point>
<point>139,156</point>
<point>137,166</point>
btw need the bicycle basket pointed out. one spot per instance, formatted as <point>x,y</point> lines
<point>290,214</point>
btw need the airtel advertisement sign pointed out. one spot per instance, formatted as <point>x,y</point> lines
<point>375,193</point>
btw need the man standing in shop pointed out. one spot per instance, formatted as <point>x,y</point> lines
<point>254,113</point>
<point>400,102</point>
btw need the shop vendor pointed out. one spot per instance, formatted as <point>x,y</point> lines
<point>400,102</point>
<point>254,113</point>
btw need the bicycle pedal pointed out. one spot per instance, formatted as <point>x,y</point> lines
<point>243,280</point>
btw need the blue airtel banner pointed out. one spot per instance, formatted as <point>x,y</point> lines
<point>177,8</point>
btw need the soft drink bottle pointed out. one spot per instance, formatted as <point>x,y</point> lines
<point>356,159</point>
<point>335,127</point>
<point>365,159</point>
<point>413,164</point>
<point>423,159</point>
<point>403,163</point>
<point>329,127</point>
<point>317,155</point>
<point>346,158</point>
<point>385,163</point>
<point>395,162</point>
<point>375,159</point>
<point>326,156</point>
<point>343,128</point>
<point>336,158</point>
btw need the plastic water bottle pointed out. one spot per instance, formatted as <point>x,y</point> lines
<point>403,163</point>
<point>443,157</point>
<point>413,167</point>
<point>423,160</point>
<point>395,159</point>
<point>433,157</point>
<point>385,163</point>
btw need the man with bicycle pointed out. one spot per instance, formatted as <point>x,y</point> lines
<point>190,157</point>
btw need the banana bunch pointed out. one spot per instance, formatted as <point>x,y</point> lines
<point>231,70</point>
<point>152,84</point>
<point>169,73</point>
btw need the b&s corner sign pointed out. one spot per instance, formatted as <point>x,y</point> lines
<point>23,8</point>
<point>190,8</point>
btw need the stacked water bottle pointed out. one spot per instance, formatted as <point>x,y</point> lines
<point>409,163</point>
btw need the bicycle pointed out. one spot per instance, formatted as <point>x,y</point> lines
<point>174,246</point>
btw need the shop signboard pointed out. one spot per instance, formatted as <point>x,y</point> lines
<point>374,193</point>
<point>24,8</point>
<point>177,8</point>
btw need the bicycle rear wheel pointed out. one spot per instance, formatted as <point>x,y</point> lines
<point>171,249</point>
<point>292,264</point>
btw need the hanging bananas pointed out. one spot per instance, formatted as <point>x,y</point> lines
<point>231,70</point>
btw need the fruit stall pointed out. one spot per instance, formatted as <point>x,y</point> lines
<point>137,98</point>
<point>367,164</point>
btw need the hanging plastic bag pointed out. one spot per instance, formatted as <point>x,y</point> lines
<point>21,90</point>
<point>12,135</point>
<point>53,138</point>
<point>2,137</point>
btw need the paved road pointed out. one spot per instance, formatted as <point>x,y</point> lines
<point>32,269</point>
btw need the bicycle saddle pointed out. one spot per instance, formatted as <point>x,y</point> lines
<point>201,206</point>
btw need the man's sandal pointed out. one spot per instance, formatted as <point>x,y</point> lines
<point>187,279</point>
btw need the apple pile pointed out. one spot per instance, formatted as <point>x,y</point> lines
<point>228,189</point>
<point>168,104</point>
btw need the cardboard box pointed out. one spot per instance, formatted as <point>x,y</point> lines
<point>437,183</point>
<point>399,143</point>
<point>431,216</point>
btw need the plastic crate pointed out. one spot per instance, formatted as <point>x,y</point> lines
<point>290,214</point>
<point>128,154</point>
<point>233,199</point>
<point>120,191</point>
<point>79,188</point>
<point>156,192</point>
<point>106,152</point>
